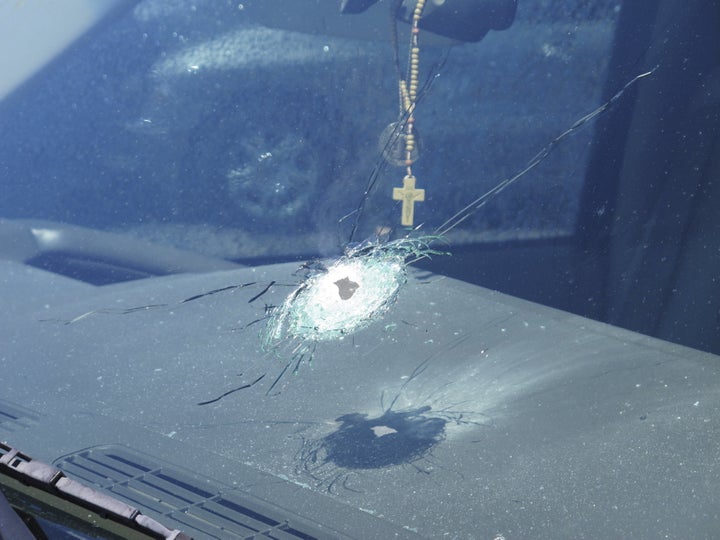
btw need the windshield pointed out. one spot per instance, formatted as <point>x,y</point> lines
<point>190,124</point>
<point>262,192</point>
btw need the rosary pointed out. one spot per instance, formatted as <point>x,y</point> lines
<point>405,133</point>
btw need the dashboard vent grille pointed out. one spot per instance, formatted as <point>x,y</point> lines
<point>14,417</point>
<point>198,505</point>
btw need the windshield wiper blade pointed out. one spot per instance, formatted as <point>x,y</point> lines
<point>48,485</point>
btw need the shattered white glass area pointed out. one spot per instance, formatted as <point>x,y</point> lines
<point>348,296</point>
<point>354,291</point>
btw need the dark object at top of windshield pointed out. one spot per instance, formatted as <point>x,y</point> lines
<point>355,6</point>
<point>462,20</point>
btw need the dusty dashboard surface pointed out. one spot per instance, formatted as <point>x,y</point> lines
<point>459,409</point>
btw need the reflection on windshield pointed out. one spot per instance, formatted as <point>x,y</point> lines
<point>206,122</point>
<point>337,298</point>
<point>359,296</point>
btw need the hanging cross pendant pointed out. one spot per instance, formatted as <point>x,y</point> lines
<point>409,196</point>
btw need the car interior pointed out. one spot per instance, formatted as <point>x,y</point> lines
<point>177,180</point>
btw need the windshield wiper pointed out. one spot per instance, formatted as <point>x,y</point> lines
<point>38,490</point>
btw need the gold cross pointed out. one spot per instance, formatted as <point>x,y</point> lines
<point>409,196</point>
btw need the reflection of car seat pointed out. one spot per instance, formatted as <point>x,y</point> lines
<point>95,256</point>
